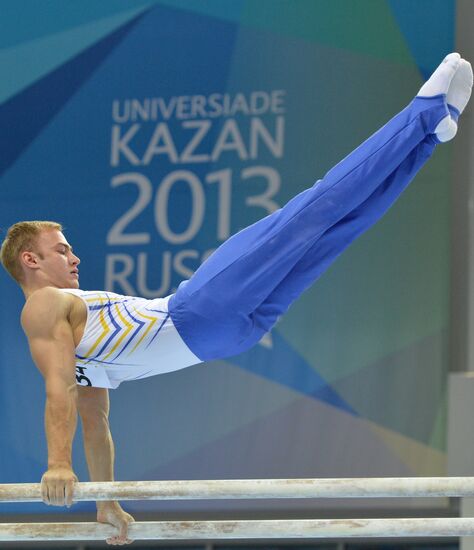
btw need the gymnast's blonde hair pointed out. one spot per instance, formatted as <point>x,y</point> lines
<point>21,236</point>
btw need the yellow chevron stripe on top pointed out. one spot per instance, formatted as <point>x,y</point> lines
<point>106,330</point>
<point>149,318</point>
<point>127,331</point>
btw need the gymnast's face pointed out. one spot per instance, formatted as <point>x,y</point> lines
<point>55,264</point>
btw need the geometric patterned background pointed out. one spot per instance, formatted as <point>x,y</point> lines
<point>352,381</point>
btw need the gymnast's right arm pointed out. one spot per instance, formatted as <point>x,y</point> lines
<point>45,322</point>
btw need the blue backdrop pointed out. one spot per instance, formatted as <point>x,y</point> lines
<point>153,131</point>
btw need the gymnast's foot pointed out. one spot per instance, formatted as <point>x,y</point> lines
<point>439,81</point>
<point>460,89</point>
<point>458,95</point>
<point>452,78</point>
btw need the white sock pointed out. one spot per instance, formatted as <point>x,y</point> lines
<point>460,88</point>
<point>439,81</point>
<point>446,129</point>
<point>457,96</point>
<point>453,78</point>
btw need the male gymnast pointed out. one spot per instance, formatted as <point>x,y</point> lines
<point>84,342</point>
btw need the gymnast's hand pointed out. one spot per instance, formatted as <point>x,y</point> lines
<point>57,486</point>
<point>111,512</point>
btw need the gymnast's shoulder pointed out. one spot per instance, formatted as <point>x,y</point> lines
<point>44,308</point>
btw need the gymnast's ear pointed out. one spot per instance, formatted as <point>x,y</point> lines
<point>29,259</point>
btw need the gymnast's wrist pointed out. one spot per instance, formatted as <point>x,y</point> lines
<point>57,464</point>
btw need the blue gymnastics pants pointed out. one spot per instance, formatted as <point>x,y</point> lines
<point>241,290</point>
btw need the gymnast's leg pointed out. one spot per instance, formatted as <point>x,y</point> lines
<point>234,296</point>
<point>332,243</point>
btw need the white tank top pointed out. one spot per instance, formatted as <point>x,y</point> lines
<point>127,338</point>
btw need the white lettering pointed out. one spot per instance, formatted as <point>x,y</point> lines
<point>183,107</point>
<point>142,276</point>
<point>116,116</point>
<point>236,143</point>
<point>158,105</point>
<point>214,105</point>
<point>187,154</point>
<point>161,134</point>
<point>161,206</point>
<point>179,266</point>
<point>120,277</point>
<point>116,234</point>
<point>120,145</point>
<point>259,103</point>
<point>278,98</point>
<point>274,145</point>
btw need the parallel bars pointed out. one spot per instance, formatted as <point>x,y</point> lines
<point>249,489</point>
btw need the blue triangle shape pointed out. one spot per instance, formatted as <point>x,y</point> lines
<point>30,110</point>
<point>25,20</point>
<point>428,27</point>
<point>284,365</point>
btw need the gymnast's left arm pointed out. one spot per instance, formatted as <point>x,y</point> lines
<point>94,405</point>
